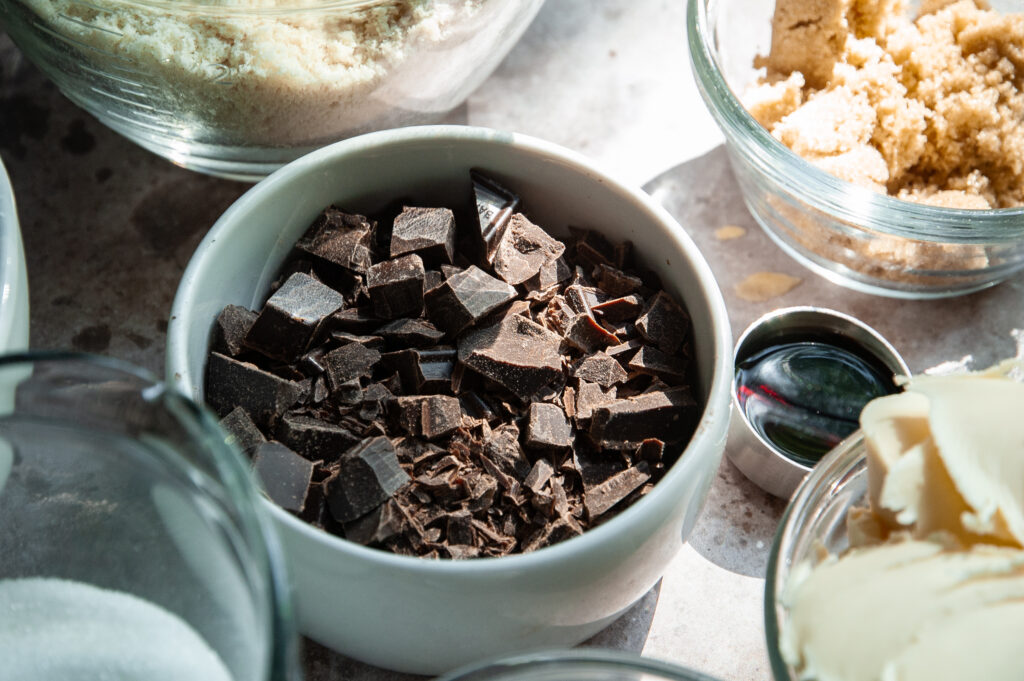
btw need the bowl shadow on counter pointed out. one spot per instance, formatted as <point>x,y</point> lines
<point>627,633</point>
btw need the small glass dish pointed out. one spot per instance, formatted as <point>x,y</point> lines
<point>238,88</point>
<point>848,234</point>
<point>575,665</point>
<point>133,542</point>
<point>814,520</point>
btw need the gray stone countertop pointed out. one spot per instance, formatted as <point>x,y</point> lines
<point>108,229</point>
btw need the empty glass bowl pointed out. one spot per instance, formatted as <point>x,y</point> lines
<point>132,540</point>
<point>239,87</point>
<point>848,234</point>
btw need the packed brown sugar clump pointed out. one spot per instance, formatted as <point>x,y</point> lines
<point>928,109</point>
<point>456,387</point>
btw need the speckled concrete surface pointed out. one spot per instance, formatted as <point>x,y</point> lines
<point>108,229</point>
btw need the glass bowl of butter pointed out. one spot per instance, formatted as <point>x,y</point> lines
<point>902,554</point>
<point>238,88</point>
<point>877,143</point>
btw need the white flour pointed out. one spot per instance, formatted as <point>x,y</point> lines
<point>59,630</point>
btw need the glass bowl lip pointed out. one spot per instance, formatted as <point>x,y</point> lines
<point>234,478</point>
<point>711,426</point>
<point>208,8</point>
<point>821,190</point>
<point>846,457</point>
<point>583,658</point>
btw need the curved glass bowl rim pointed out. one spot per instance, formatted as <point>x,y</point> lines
<point>509,667</point>
<point>824,191</point>
<point>279,8</point>
<point>235,478</point>
<point>840,460</point>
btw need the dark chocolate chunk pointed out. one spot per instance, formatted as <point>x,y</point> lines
<point>285,475</point>
<point>466,297</point>
<point>349,362</point>
<point>429,416</point>
<point>494,207</point>
<point>624,351</point>
<point>558,531</point>
<point>523,250</point>
<point>460,530</point>
<point>652,450</point>
<point>586,334</point>
<point>664,323</point>
<point>230,329</point>
<point>231,383</point>
<point>340,238</point>
<point>516,353</point>
<point>538,476</point>
<point>615,282</point>
<point>668,415</point>
<point>415,333</point>
<point>593,249</point>
<point>345,337</point>
<point>590,396</point>
<point>582,299</point>
<point>354,320</point>
<point>396,287</point>
<point>315,439</point>
<point>242,432</point>
<point>377,526</point>
<point>598,500</point>
<point>364,477</point>
<point>288,319</point>
<point>600,368</point>
<point>424,370</point>
<point>548,428</point>
<point>650,360</point>
<point>503,449</point>
<point>429,232</point>
<point>619,310</point>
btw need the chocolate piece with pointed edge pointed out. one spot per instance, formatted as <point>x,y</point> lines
<point>664,323</point>
<point>538,476</point>
<point>494,207</point>
<point>582,299</point>
<point>553,533</point>
<point>290,316</point>
<point>364,477</point>
<point>590,396</point>
<point>229,330</point>
<point>348,363</point>
<point>584,333</point>
<point>668,415</point>
<point>231,383</point>
<point>625,350</point>
<point>503,449</point>
<point>429,232</point>
<point>651,360</point>
<point>344,337</point>
<point>592,248</point>
<point>396,287</point>
<point>411,333</point>
<point>340,238</point>
<point>618,310</point>
<point>285,475</point>
<point>523,250</point>
<point>242,432</point>
<point>615,282</point>
<point>424,370</point>
<point>652,450</point>
<point>377,526</point>
<point>464,298</point>
<point>516,353</point>
<point>548,428</point>
<point>600,368</point>
<point>315,439</point>
<point>359,319</point>
<point>440,416</point>
<point>599,499</point>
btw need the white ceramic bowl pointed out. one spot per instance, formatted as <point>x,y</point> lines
<point>429,616</point>
<point>13,277</point>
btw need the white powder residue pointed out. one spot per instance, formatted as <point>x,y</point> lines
<point>54,629</point>
<point>273,79</point>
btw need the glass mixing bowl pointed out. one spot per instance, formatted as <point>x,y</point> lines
<point>237,88</point>
<point>575,665</point>
<point>848,234</point>
<point>813,526</point>
<point>132,540</point>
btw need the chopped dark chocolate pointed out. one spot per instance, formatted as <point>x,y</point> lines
<point>340,238</point>
<point>230,329</point>
<point>590,396</point>
<point>601,498</point>
<point>664,323</point>
<point>548,428</point>
<point>231,383</point>
<point>424,370</point>
<point>411,333</point>
<point>429,232</point>
<point>615,282</point>
<point>516,353</point>
<point>464,298</point>
<point>600,368</point>
<point>377,526</point>
<point>538,476</point>
<point>503,449</point>
<point>354,320</point>
<point>349,362</point>
<point>285,475</point>
<point>587,335</point>
<point>396,287</point>
<point>651,360</point>
<point>619,310</point>
<point>242,432</point>
<point>494,207</point>
<point>668,415</point>
<point>315,439</point>
<point>364,477</point>
<point>523,250</point>
<point>290,316</point>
